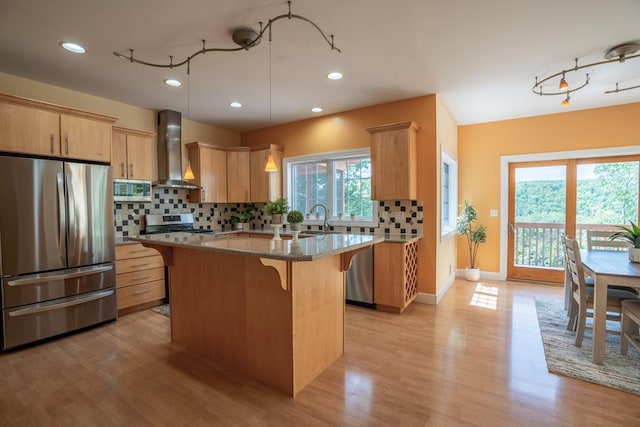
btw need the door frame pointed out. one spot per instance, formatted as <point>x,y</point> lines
<point>533,157</point>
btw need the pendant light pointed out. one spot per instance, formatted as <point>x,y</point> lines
<point>271,164</point>
<point>188,173</point>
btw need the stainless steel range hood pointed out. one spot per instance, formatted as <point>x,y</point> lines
<point>170,151</point>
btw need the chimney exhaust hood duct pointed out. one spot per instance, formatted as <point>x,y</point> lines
<point>170,151</point>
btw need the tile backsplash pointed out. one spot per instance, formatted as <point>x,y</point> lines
<point>395,216</point>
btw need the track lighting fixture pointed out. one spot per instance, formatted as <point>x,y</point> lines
<point>245,38</point>
<point>619,54</point>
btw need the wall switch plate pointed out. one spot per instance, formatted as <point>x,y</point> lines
<point>493,212</point>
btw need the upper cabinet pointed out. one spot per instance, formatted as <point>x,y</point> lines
<point>85,139</point>
<point>209,165</point>
<point>132,154</point>
<point>393,161</point>
<point>265,186</point>
<point>29,130</point>
<point>33,127</point>
<point>238,175</point>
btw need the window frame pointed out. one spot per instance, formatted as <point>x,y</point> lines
<point>448,229</point>
<point>330,157</point>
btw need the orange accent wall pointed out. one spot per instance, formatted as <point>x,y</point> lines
<point>480,147</point>
<point>347,130</point>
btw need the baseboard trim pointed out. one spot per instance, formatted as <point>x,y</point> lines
<point>486,275</point>
<point>434,299</point>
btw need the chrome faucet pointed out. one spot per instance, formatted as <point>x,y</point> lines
<point>326,220</point>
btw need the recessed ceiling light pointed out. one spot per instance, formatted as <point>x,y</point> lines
<point>72,47</point>
<point>235,104</point>
<point>173,82</point>
<point>316,110</point>
<point>334,75</point>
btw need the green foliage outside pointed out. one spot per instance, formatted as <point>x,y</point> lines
<point>610,198</point>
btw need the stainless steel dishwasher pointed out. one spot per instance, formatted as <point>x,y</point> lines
<point>359,279</point>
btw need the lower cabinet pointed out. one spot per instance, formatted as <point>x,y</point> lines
<point>396,275</point>
<point>139,277</point>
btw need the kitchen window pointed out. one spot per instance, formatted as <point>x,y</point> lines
<point>339,180</point>
<point>449,194</point>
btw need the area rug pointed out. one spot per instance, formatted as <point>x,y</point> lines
<point>619,372</point>
<point>162,309</point>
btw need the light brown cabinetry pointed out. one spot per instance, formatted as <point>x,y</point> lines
<point>238,175</point>
<point>132,154</point>
<point>29,130</point>
<point>33,127</point>
<point>209,165</point>
<point>139,277</point>
<point>393,161</point>
<point>396,275</point>
<point>265,186</point>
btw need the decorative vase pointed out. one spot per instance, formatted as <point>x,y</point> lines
<point>239,226</point>
<point>472,274</point>
<point>634,254</point>
<point>276,219</point>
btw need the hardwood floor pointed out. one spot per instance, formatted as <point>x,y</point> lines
<point>451,364</point>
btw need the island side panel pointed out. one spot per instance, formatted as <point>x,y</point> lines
<point>318,313</point>
<point>232,309</point>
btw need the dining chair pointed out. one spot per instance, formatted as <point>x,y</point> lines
<point>629,324</point>
<point>582,304</point>
<point>601,240</point>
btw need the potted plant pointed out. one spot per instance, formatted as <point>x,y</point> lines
<point>276,209</point>
<point>631,235</point>
<point>295,218</point>
<point>474,236</point>
<point>243,216</point>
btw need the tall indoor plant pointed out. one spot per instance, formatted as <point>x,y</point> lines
<point>474,235</point>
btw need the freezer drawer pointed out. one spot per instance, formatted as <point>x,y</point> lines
<point>34,322</point>
<point>34,288</point>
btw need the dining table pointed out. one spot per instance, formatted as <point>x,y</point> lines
<point>607,268</point>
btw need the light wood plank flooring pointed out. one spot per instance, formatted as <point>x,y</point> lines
<point>451,364</point>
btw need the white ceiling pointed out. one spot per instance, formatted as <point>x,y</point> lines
<point>480,56</point>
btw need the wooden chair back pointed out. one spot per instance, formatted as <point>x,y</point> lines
<point>601,240</point>
<point>574,264</point>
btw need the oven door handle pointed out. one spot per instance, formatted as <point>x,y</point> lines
<point>56,306</point>
<point>35,280</point>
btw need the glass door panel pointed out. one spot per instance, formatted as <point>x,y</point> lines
<point>606,196</point>
<point>537,217</point>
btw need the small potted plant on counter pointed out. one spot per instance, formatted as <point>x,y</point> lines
<point>295,218</point>
<point>243,217</point>
<point>276,209</point>
<point>474,236</point>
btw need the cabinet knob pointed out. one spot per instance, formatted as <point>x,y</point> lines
<point>122,170</point>
<point>66,143</point>
<point>52,138</point>
<point>131,170</point>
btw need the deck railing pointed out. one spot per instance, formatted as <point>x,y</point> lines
<point>537,244</point>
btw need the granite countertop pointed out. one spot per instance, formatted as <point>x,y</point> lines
<point>304,249</point>
<point>124,241</point>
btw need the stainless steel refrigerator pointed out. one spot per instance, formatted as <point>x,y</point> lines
<point>56,248</point>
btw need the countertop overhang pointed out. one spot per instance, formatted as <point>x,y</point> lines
<point>303,249</point>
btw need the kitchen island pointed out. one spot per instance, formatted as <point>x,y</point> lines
<point>273,309</point>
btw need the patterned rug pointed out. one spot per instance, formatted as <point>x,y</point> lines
<point>619,372</point>
<point>162,309</point>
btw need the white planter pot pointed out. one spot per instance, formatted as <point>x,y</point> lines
<point>295,226</point>
<point>634,254</point>
<point>472,274</point>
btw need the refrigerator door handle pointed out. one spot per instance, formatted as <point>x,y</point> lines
<point>72,223</point>
<point>47,278</point>
<point>62,226</point>
<point>32,310</point>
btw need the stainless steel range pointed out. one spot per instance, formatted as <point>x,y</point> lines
<point>171,223</point>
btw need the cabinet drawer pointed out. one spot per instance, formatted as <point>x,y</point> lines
<point>140,294</point>
<point>138,264</point>
<point>134,250</point>
<point>138,277</point>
